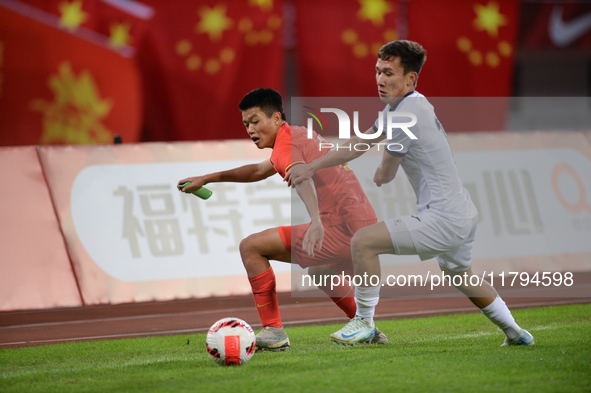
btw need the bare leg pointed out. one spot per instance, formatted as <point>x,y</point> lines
<point>485,297</point>
<point>480,295</point>
<point>257,249</point>
<point>366,245</point>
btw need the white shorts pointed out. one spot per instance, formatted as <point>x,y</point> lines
<point>430,235</point>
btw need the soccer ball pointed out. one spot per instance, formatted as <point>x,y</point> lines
<point>231,342</point>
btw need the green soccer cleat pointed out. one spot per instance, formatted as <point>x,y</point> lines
<point>379,338</point>
<point>272,339</point>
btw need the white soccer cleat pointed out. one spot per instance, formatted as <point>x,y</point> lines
<point>357,331</point>
<point>524,338</point>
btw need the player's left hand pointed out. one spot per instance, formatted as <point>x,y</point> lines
<point>313,238</point>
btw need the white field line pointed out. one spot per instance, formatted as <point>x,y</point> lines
<point>287,323</point>
<point>161,315</point>
<point>132,363</point>
<point>495,333</point>
<point>161,359</point>
<point>287,306</point>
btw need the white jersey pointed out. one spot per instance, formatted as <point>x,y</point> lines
<point>428,161</point>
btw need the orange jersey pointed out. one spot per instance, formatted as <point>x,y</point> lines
<point>340,196</point>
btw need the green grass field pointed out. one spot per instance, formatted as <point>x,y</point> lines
<point>457,353</point>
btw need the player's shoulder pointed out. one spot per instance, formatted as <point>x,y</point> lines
<point>298,132</point>
<point>418,104</point>
<point>293,132</point>
<point>299,136</point>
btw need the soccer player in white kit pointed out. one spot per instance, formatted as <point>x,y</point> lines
<point>445,226</point>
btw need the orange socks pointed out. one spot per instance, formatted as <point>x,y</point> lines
<point>265,298</point>
<point>343,297</point>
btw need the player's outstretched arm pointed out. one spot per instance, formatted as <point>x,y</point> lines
<point>345,153</point>
<point>387,169</point>
<point>244,174</point>
<point>315,233</point>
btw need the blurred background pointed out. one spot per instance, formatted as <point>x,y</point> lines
<point>83,71</point>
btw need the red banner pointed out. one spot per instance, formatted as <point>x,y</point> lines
<point>559,25</point>
<point>470,46</point>
<point>338,43</point>
<point>63,84</point>
<point>200,59</point>
<point>124,22</point>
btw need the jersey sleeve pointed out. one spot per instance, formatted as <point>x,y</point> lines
<point>297,150</point>
<point>286,152</point>
<point>281,157</point>
<point>400,142</point>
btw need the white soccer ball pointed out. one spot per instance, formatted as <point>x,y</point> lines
<point>231,342</point>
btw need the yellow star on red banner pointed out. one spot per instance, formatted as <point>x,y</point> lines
<point>72,15</point>
<point>374,11</point>
<point>489,18</point>
<point>264,5</point>
<point>75,115</point>
<point>214,21</point>
<point>120,34</point>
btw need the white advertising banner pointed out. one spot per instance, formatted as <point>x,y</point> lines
<point>155,232</point>
<point>133,237</point>
<point>530,202</point>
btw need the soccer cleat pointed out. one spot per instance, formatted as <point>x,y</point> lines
<point>357,331</point>
<point>272,339</point>
<point>379,338</point>
<point>524,338</point>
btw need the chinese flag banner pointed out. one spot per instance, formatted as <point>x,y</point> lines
<point>555,25</point>
<point>200,58</point>
<point>63,85</point>
<point>470,46</point>
<point>125,22</point>
<point>338,43</point>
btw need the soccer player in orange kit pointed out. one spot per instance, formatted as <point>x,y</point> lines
<point>334,199</point>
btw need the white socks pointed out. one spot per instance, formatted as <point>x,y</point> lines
<point>500,315</point>
<point>367,298</point>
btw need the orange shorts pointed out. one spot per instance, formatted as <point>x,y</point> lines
<point>336,246</point>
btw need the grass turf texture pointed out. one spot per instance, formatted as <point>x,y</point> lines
<point>454,353</point>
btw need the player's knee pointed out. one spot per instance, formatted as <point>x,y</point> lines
<point>248,246</point>
<point>359,243</point>
<point>318,272</point>
<point>314,271</point>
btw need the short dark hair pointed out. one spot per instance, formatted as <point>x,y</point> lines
<point>412,54</point>
<point>269,100</point>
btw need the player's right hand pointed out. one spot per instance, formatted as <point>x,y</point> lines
<point>195,183</point>
<point>313,238</point>
<point>383,175</point>
<point>297,174</point>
